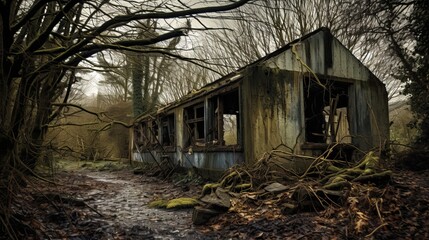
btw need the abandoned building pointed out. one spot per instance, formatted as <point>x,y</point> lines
<point>305,97</point>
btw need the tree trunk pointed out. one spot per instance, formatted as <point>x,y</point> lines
<point>137,78</point>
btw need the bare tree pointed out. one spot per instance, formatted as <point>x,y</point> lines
<point>139,76</point>
<point>184,77</point>
<point>42,44</point>
<point>150,71</point>
<point>402,26</point>
<point>116,84</point>
<point>264,26</point>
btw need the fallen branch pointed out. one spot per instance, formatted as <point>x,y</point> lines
<point>65,200</point>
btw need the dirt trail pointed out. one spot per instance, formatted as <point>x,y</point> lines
<point>86,204</point>
<point>125,202</point>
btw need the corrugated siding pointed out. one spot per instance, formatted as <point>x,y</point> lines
<point>213,160</point>
<point>217,161</point>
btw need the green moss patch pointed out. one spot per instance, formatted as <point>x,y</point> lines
<point>182,203</point>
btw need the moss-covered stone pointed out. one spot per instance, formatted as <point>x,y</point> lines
<point>209,187</point>
<point>182,203</point>
<point>160,203</point>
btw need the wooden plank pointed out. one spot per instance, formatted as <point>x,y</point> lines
<point>220,120</point>
<point>201,119</point>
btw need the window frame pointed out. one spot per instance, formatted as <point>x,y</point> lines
<point>318,115</point>
<point>168,126</point>
<point>194,133</point>
<point>217,114</point>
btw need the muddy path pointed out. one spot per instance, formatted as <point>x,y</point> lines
<point>87,204</point>
<point>125,200</point>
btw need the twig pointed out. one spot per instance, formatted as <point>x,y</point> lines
<point>93,209</point>
<point>373,231</point>
<point>299,59</point>
<point>378,209</point>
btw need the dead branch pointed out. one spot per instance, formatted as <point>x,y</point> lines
<point>99,115</point>
<point>72,124</point>
<point>325,186</point>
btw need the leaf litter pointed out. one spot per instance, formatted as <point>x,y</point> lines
<point>114,205</point>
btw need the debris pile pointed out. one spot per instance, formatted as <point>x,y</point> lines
<point>270,190</point>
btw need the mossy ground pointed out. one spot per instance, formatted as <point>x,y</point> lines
<point>67,165</point>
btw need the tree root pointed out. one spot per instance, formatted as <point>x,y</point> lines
<point>365,171</point>
<point>323,183</point>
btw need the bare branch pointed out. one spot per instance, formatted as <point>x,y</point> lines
<point>99,115</point>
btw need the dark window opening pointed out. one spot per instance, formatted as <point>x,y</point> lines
<point>199,111</point>
<point>138,134</point>
<point>326,111</point>
<point>167,130</point>
<point>199,133</point>
<point>224,127</point>
<point>153,133</point>
<point>145,134</point>
<point>194,124</point>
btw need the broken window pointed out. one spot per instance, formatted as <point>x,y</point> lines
<point>138,134</point>
<point>167,130</point>
<point>142,135</point>
<point>154,132</point>
<point>224,111</point>
<point>146,134</point>
<point>326,111</point>
<point>194,121</point>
